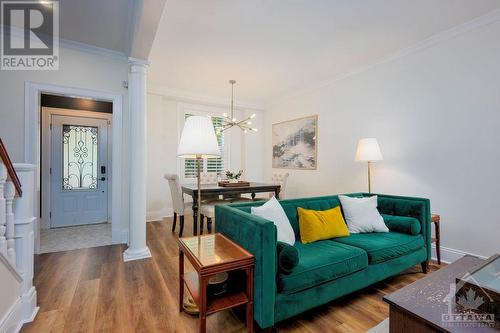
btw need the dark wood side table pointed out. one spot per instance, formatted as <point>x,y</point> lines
<point>209,255</point>
<point>435,218</point>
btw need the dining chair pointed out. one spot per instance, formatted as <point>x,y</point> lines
<point>178,203</point>
<point>209,178</point>
<point>207,209</point>
<point>281,180</point>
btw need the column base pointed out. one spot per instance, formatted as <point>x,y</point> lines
<point>142,253</point>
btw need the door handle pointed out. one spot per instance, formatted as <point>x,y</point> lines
<point>103,179</point>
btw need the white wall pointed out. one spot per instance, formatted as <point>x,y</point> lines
<point>78,69</point>
<point>163,131</point>
<point>436,114</point>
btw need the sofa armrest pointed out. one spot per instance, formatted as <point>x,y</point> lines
<point>403,224</point>
<point>257,236</point>
<point>419,208</point>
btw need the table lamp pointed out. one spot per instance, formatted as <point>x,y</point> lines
<point>198,141</point>
<point>368,151</point>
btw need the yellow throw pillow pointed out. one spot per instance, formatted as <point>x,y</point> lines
<point>321,224</point>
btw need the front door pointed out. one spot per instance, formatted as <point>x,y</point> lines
<point>78,173</point>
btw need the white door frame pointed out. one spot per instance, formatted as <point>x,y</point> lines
<point>45,158</point>
<point>32,93</point>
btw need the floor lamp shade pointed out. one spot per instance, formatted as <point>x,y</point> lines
<point>368,150</point>
<point>198,139</point>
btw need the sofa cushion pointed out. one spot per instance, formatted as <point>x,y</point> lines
<point>288,257</point>
<point>321,203</point>
<point>320,262</point>
<point>361,214</point>
<point>318,225</point>
<point>383,246</point>
<point>403,224</point>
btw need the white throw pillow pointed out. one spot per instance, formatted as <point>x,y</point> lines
<point>273,211</point>
<point>361,215</point>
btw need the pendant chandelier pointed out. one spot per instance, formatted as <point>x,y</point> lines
<point>229,121</point>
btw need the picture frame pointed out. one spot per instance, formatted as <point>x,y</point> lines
<point>295,144</point>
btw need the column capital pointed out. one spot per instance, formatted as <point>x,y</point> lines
<point>137,65</point>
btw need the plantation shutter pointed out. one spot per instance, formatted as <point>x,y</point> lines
<point>217,164</point>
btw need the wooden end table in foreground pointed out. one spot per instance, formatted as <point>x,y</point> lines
<point>209,255</point>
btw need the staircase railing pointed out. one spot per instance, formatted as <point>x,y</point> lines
<point>9,186</point>
<point>17,225</point>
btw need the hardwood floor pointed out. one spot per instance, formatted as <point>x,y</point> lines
<point>93,290</point>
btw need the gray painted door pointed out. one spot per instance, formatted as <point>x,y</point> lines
<point>79,172</point>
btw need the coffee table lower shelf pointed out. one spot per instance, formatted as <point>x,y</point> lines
<point>218,303</point>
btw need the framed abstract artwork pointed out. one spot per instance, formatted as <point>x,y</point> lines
<point>295,144</point>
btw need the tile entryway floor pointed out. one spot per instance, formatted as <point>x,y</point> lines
<point>72,238</point>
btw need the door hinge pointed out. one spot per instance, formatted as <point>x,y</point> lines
<point>51,126</point>
<point>50,215</point>
<point>50,171</point>
<point>109,122</point>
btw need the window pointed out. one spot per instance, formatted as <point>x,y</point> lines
<point>210,164</point>
<point>79,157</point>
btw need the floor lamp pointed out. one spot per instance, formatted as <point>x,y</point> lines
<point>198,141</point>
<point>368,150</point>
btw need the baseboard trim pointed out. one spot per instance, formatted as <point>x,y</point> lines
<point>21,312</point>
<point>143,253</point>
<point>449,255</point>
<point>159,214</point>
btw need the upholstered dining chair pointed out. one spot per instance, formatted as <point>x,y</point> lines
<point>207,209</point>
<point>280,179</point>
<point>208,178</point>
<point>177,201</point>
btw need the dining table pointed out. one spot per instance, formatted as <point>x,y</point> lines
<point>210,190</point>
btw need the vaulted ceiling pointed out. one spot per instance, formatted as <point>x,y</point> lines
<point>272,47</point>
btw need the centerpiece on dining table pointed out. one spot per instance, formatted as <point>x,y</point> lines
<point>232,179</point>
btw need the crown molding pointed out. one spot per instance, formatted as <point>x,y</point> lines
<point>188,96</point>
<point>479,22</point>
<point>71,44</point>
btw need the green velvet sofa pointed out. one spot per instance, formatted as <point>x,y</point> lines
<point>327,269</point>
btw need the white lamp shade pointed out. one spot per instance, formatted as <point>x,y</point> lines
<point>368,150</point>
<point>198,139</point>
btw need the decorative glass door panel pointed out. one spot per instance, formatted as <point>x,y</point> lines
<point>78,183</point>
<point>80,157</point>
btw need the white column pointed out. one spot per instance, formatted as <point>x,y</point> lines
<point>137,108</point>
<point>25,223</point>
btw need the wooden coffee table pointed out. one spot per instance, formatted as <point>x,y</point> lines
<point>209,255</point>
<point>423,306</point>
